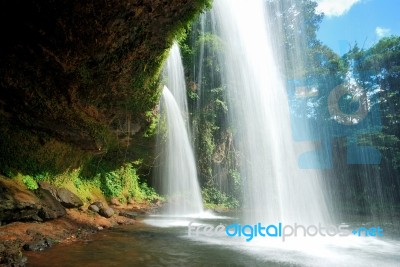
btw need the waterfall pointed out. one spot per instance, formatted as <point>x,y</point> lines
<point>241,93</point>
<point>275,188</point>
<point>175,80</point>
<point>177,174</point>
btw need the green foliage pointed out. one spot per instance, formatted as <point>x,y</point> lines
<point>154,120</point>
<point>206,98</point>
<point>213,196</point>
<point>112,185</point>
<point>193,96</point>
<point>148,193</point>
<point>122,179</point>
<point>236,180</point>
<point>30,182</point>
<point>179,32</point>
<point>124,183</point>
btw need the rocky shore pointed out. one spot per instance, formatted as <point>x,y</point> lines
<point>35,220</point>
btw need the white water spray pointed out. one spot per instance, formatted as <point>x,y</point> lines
<point>177,174</point>
<point>275,189</point>
<point>175,80</point>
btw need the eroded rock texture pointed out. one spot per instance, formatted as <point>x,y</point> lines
<point>83,72</point>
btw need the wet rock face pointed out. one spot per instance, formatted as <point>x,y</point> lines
<point>78,70</point>
<point>20,204</point>
<point>64,196</point>
<point>17,204</point>
<point>51,207</point>
<point>15,210</point>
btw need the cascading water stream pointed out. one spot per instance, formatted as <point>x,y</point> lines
<point>275,188</point>
<point>175,80</point>
<point>177,174</point>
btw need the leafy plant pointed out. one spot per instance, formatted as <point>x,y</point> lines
<point>30,183</point>
<point>211,195</point>
<point>124,184</point>
<point>148,193</point>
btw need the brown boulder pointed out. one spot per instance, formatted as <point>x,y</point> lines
<point>17,203</point>
<point>106,212</point>
<point>68,199</point>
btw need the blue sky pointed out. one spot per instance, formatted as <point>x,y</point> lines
<point>361,21</point>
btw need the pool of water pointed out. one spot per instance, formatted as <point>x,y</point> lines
<point>163,241</point>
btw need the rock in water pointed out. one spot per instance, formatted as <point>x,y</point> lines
<point>38,245</point>
<point>68,199</point>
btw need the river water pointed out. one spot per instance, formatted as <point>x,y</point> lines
<point>163,241</point>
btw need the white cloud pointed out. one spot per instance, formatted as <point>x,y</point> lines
<point>382,32</point>
<point>335,7</point>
